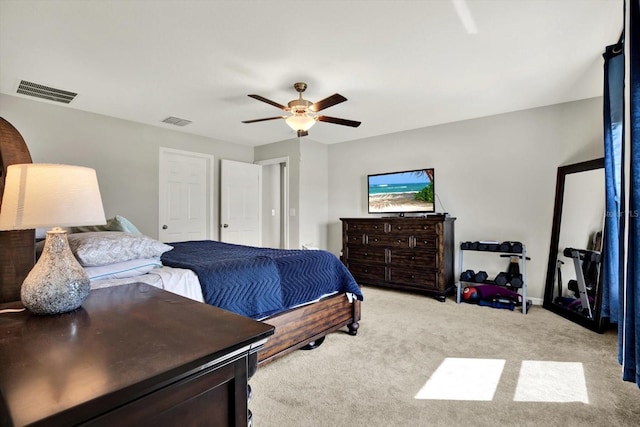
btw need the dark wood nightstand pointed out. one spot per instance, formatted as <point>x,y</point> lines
<point>131,355</point>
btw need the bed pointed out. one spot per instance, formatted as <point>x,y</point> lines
<point>300,320</point>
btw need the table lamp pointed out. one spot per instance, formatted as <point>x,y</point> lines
<point>50,195</point>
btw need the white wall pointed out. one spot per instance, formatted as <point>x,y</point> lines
<point>314,195</point>
<point>496,174</point>
<point>124,154</point>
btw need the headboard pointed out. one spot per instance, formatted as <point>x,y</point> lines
<point>17,253</point>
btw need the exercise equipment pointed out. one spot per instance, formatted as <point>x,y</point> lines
<point>559,264</point>
<point>502,279</point>
<point>490,292</point>
<point>470,294</point>
<point>513,280</point>
<point>480,277</point>
<point>494,296</point>
<point>587,266</point>
<point>512,277</point>
<point>498,303</point>
<point>467,276</point>
<point>504,247</point>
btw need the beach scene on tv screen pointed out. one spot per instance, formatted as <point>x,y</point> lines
<point>401,192</point>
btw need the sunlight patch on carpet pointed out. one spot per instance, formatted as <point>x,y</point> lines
<point>551,382</point>
<point>463,379</point>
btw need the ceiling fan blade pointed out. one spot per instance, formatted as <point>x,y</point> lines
<point>268,101</point>
<point>263,120</point>
<point>329,101</point>
<point>338,121</point>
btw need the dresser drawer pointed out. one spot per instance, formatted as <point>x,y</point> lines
<point>425,242</point>
<point>367,255</point>
<point>413,258</point>
<point>417,228</point>
<point>355,239</point>
<point>366,227</point>
<point>363,272</point>
<point>417,278</point>
<point>389,241</point>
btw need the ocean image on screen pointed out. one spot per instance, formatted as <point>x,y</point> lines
<point>401,192</point>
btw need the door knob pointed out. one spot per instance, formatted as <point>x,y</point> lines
<point>225,225</point>
<point>164,227</point>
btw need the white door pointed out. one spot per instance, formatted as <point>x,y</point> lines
<point>240,203</point>
<point>185,195</point>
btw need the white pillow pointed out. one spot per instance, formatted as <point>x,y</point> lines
<point>121,270</point>
<point>109,247</point>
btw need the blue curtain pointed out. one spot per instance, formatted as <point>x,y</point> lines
<point>629,339</point>
<point>613,164</point>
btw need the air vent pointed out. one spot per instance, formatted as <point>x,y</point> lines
<point>176,121</point>
<point>45,92</point>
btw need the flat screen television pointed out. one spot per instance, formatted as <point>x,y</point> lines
<point>402,192</point>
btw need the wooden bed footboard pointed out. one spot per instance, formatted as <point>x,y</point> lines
<point>298,327</point>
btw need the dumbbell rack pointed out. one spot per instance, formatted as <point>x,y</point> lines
<point>491,249</point>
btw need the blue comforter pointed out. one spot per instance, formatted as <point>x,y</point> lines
<point>259,282</point>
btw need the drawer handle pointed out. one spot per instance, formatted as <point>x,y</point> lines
<point>413,277</point>
<point>399,240</point>
<point>365,254</point>
<point>413,258</point>
<point>366,270</point>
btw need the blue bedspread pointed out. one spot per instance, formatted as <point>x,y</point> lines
<point>259,282</point>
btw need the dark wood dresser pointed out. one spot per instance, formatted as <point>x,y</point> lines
<point>132,355</point>
<point>409,253</point>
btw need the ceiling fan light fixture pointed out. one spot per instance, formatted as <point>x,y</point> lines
<point>300,122</point>
<point>303,113</point>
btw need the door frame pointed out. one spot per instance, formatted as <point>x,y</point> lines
<point>210,159</point>
<point>284,194</point>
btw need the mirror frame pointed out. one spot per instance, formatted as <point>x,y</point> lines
<point>598,323</point>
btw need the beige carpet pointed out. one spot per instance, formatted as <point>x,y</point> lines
<point>372,379</point>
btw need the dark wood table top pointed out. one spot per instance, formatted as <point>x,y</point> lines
<point>123,343</point>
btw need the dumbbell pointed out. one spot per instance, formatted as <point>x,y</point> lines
<point>502,279</point>
<point>505,247</point>
<point>467,276</point>
<point>480,276</point>
<point>516,281</point>
<point>516,247</point>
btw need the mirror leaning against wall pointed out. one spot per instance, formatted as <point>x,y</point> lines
<point>574,273</point>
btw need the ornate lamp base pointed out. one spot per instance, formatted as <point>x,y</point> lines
<point>57,283</point>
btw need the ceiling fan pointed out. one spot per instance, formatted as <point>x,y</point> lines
<point>304,116</point>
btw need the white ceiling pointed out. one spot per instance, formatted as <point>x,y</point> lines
<point>401,64</point>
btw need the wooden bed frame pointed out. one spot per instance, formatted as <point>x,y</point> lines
<point>296,328</point>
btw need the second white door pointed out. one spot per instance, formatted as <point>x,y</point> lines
<point>240,203</point>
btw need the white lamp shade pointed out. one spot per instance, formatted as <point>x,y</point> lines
<point>300,122</point>
<point>48,195</point>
